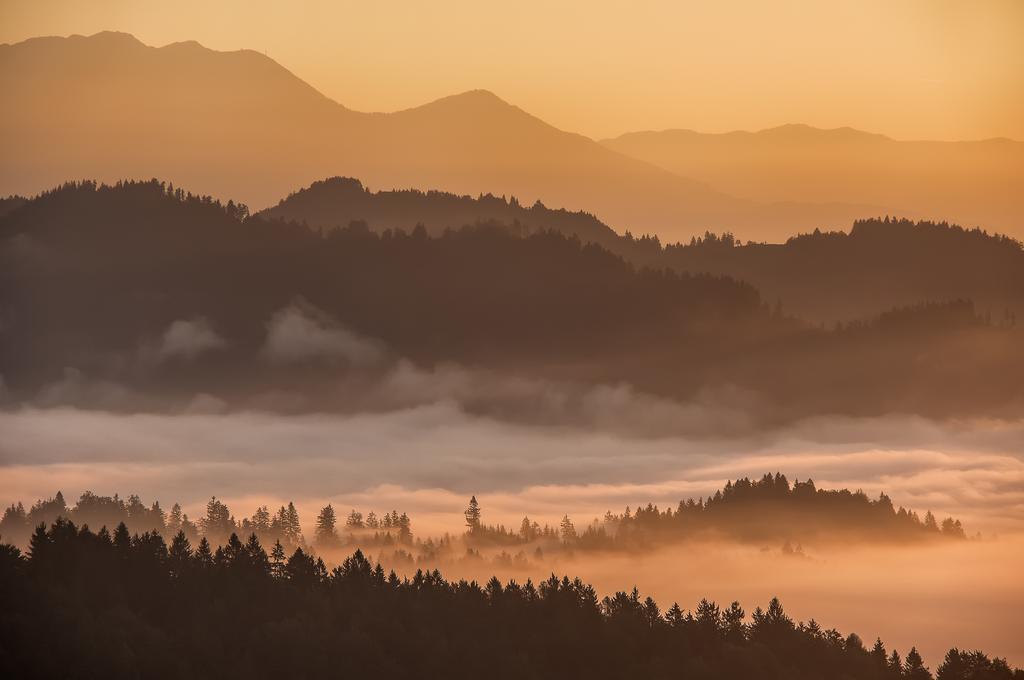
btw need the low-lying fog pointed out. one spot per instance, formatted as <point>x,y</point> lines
<point>428,459</point>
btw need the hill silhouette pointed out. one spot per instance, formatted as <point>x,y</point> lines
<point>825,277</point>
<point>971,182</point>
<point>880,263</point>
<point>769,510</point>
<point>337,202</point>
<point>130,606</point>
<point>241,126</point>
<point>139,280</point>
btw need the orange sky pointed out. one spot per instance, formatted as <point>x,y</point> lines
<point>939,69</point>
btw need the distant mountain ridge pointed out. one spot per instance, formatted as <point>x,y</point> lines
<point>151,296</point>
<point>975,183</point>
<point>819,276</point>
<point>239,125</point>
<point>339,201</point>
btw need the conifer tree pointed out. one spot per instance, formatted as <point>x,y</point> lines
<point>473,515</point>
<point>325,533</point>
<point>913,667</point>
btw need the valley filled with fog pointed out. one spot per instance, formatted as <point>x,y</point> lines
<point>427,458</point>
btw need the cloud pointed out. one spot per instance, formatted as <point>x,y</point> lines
<point>187,339</point>
<point>75,389</point>
<point>439,454</point>
<point>301,333</point>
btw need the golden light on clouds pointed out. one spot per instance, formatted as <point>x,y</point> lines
<point>916,69</point>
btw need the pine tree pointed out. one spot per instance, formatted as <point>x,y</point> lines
<point>202,556</point>
<point>174,518</point>
<point>878,655</point>
<point>218,523</point>
<point>293,531</point>
<point>277,560</point>
<point>913,667</point>
<point>325,533</point>
<point>261,519</point>
<point>122,540</point>
<point>473,515</point>
<point>257,556</point>
<point>674,616</point>
<point>567,529</point>
<point>355,520</point>
<point>895,665</point>
<point>404,529</point>
<point>732,622</point>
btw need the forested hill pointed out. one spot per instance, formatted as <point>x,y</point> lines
<point>767,511</point>
<point>825,277</point>
<point>339,201</point>
<point>115,606</point>
<point>115,266</point>
<point>880,263</point>
<point>158,290</point>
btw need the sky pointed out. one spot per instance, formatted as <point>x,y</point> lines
<point>914,69</point>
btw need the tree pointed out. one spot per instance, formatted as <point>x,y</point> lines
<point>325,532</point>
<point>674,616</point>
<point>202,556</point>
<point>974,666</point>
<point>180,553</point>
<point>895,665</point>
<point>878,655</point>
<point>122,539</point>
<point>261,519</point>
<point>174,518</point>
<point>732,622</point>
<point>913,666</point>
<point>473,516</point>
<point>355,520</point>
<point>217,524</point>
<point>707,615</point>
<point>277,560</point>
<point>404,529</point>
<point>567,529</point>
<point>293,530</point>
<point>526,530</point>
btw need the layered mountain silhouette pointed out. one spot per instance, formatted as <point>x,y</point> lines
<point>239,125</point>
<point>339,201</point>
<point>974,183</point>
<point>109,293</point>
<point>820,277</point>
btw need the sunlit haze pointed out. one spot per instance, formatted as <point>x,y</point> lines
<point>922,69</point>
<point>512,340</point>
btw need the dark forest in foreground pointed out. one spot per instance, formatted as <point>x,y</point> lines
<point>85,604</point>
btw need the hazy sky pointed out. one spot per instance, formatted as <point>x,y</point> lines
<point>941,69</point>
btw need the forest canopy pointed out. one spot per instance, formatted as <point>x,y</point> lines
<point>130,606</point>
<point>121,269</point>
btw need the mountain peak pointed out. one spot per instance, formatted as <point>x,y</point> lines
<point>474,100</point>
<point>119,38</point>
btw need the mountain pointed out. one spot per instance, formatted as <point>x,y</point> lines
<point>339,201</point>
<point>136,294</point>
<point>976,183</point>
<point>820,277</point>
<point>879,264</point>
<point>239,125</point>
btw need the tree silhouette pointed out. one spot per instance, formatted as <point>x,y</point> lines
<point>473,515</point>
<point>325,533</point>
